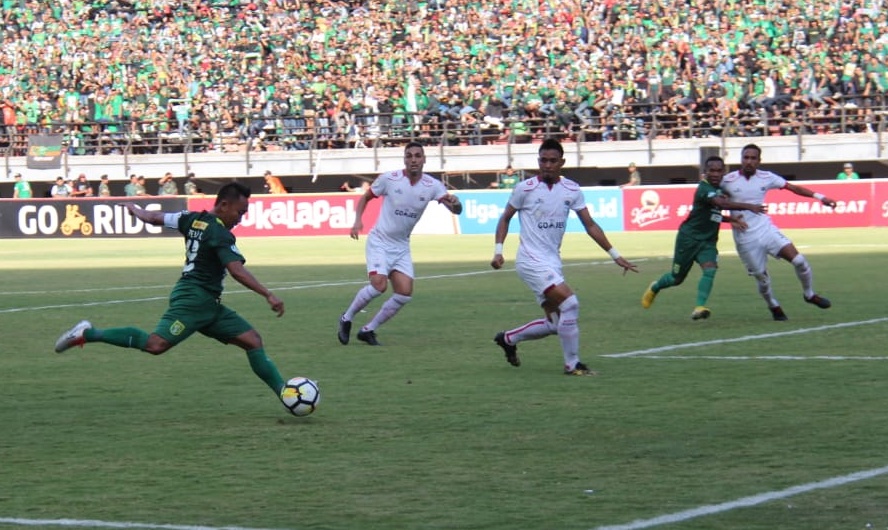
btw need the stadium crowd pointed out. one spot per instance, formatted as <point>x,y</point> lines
<point>280,74</point>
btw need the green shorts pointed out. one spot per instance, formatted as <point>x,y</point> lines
<point>689,251</point>
<point>191,311</point>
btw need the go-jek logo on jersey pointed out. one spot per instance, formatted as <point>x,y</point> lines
<point>405,213</point>
<point>266,215</point>
<point>651,211</point>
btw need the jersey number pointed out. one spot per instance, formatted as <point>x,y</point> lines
<point>191,247</point>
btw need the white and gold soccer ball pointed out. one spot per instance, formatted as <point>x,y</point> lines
<point>301,396</point>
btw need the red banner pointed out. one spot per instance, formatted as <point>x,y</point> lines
<point>858,204</point>
<point>880,204</point>
<point>298,215</point>
<point>656,207</point>
<point>854,207</point>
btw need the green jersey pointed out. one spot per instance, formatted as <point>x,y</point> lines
<point>23,188</point>
<point>209,247</point>
<point>704,221</point>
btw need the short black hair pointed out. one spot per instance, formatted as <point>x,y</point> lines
<point>414,144</point>
<point>231,192</point>
<point>552,143</point>
<point>752,146</point>
<point>714,158</point>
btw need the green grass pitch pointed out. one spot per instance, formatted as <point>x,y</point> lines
<point>434,430</point>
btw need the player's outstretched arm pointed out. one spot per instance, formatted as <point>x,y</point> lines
<point>806,192</point>
<point>244,277</point>
<point>153,217</point>
<point>727,204</point>
<point>598,235</point>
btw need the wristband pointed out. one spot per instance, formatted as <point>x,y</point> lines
<point>498,249</point>
<point>819,196</point>
<point>613,253</point>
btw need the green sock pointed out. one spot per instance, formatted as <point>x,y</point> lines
<point>666,281</point>
<point>704,287</point>
<point>266,369</point>
<point>123,337</point>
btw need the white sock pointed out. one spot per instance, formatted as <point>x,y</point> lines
<point>806,276</point>
<point>764,285</point>
<point>535,329</point>
<point>387,311</point>
<point>569,332</point>
<point>365,295</point>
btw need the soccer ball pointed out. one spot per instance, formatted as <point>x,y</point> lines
<point>301,396</point>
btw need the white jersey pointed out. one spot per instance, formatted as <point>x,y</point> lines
<point>543,214</point>
<point>751,191</point>
<point>403,205</point>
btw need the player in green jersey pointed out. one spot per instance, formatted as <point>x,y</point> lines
<point>697,238</point>
<point>195,304</point>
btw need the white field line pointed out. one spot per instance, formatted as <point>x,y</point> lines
<point>282,287</point>
<point>745,338</point>
<point>86,523</point>
<point>745,502</point>
<point>166,286</point>
<point>767,357</point>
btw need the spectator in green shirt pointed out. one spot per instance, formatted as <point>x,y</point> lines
<point>22,189</point>
<point>848,172</point>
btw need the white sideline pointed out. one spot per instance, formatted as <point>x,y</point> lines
<point>745,338</point>
<point>747,501</point>
<point>296,287</point>
<point>86,523</point>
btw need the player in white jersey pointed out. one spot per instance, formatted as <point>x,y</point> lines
<point>407,192</point>
<point>543,203</point>
<point>762,238</point>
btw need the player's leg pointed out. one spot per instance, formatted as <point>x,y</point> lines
<point>231,328</point>
<point>177,324</point>
<point>568,310</point>
<point>754,256</point>
<point>707,257</point>
<point>400,265</point>
<point>533,330</point>
<point>539,280</point>
<point>804,273</point>
<point>377,272</point>
<point>682,261</point>
<point>84,332</point>
<point>402,287</point>
<point>377,285</point>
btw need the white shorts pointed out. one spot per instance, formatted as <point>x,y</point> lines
<point>540,277</point>
<point>754,252</point>
<point>383,259</point>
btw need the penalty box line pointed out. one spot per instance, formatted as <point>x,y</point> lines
<point>745,338</point>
